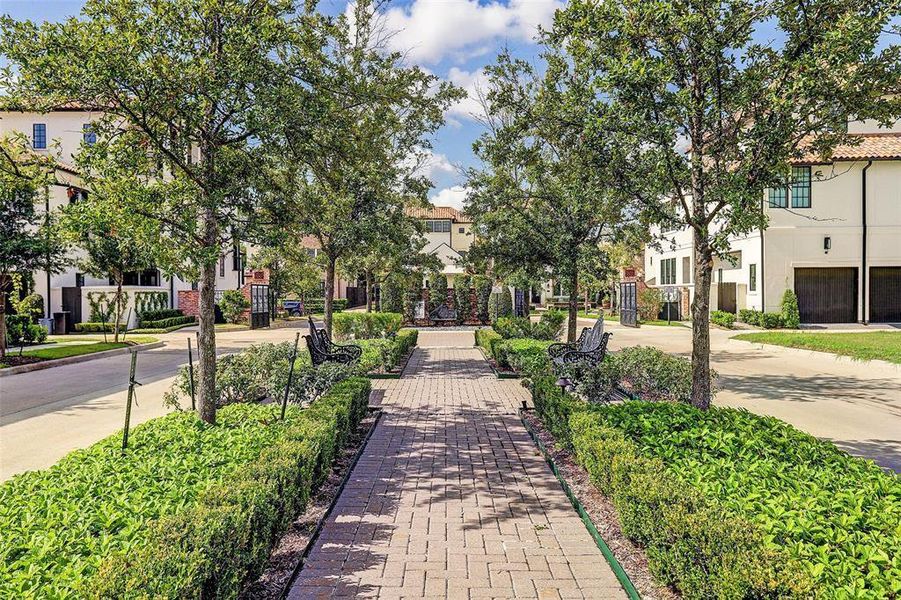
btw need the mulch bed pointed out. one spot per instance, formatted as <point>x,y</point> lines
<point>15,361</point>
<point>603,515</point>
<point>292,547</point>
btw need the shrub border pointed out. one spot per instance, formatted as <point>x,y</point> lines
<point>286,589</point>
<point>618,570</point>
<point>498,374</point>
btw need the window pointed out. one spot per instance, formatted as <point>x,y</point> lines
<point>311,252</point>
<point>461,230</point>
<point>779,197</point>
<point>221,265</point>
<point>800,187</point>
<point>752,277</point>
<point>442,226</point>
<point>88,134</point>
<point>236,256</point>
<point>39,136</point>
<point>668,271</point>
<point>146,278</point>
<point>686,269</point>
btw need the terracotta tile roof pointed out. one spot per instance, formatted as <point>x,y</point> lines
<point>872,146</point>
<point>438,212</point>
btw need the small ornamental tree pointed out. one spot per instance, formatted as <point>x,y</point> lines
<point>462,285</point>
<point>391,294</point>
<point>437,291</point>
<point>791,316</point>
<point>482,286</point>
<point>233,304</point>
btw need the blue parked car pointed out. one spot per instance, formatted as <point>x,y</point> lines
<point>293,307</point>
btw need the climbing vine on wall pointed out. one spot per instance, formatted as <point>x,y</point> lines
<point>102,305</point>
<point>147,301</point>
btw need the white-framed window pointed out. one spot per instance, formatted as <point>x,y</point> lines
<point>668,271</point>
<point>438,226</point>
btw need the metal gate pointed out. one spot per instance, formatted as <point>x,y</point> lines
<point>259,306</point>
<point>628,303</point>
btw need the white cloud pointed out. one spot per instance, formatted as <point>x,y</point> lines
<point>473,82</point>
<point>451,196</point>
<point>430,31</point>
<point>430,164</point>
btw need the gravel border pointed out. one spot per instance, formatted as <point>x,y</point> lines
<point>289,553</point>
<point>600,509</point>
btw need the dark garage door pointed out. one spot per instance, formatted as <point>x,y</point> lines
<point>827,295</point>
<point>885,294</point>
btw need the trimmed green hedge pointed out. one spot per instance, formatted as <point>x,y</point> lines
<point>168,322</point>
<point>521,354</point>
<point>386,353</point>
<point>97,327</point>
<point>486,338</point>
<point>190,510</point>
<point>723,318</point>
<point>733,505</point>
<point>365,325</point>
<point>317,305</point>
<point>157,315</point>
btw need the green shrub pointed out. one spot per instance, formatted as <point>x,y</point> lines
<point>391,294</point>
<point>791,316</point>
<point>15,329</point>
<point>166,323</point>
<point>386,353</point>
<point>158,315</point>
<point>261,371</point>
<point>97,327</point>
<point>462,285</point>
<point>363,325</point>
<point>31,306</point>
<point>547,328</point>
<point>750,316</point>
<point>215,544</point>
<point>486,338</point>
<point>761,319</point>
<point>313,306</point>
<point>723,318</point>
<point>650,301</point>
<point>525,356</point>
<point>482,286</point>
<point>771,320</point>
<point>233,304</point>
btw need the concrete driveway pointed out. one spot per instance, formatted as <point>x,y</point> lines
<point>46,414</point>
<point>857,405</point>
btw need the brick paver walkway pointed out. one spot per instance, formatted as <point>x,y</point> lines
<point>450,499</point>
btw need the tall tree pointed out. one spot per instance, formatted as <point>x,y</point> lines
<point>542,201</point>
<point>345,151</point>
<point>190,83</point>
<point>708,114</point>
<point>28,239</point>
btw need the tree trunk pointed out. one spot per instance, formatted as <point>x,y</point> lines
<point>119,307</point>
<point>700,314</point>
<point>3,284</point>
<point>368,291</point>
<point>329,293</point>
<point>573,306</point>
<point>206,343</point>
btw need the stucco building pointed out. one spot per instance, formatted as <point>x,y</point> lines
<point>833,236</point>
<point>449,235</point>
<point>60,134</point>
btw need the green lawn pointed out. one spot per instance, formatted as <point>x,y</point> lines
<point>65,351</point>
<point>881,345</point>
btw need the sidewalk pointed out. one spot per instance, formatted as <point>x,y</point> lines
<point>450,498</point>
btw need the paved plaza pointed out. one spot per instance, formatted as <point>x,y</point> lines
<point>451,498</point>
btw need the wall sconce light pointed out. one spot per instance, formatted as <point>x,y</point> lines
<point>827,244</point>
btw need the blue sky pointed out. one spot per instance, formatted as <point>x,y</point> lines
<point>454,39</point>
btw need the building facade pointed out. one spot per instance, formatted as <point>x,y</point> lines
<point>449,235</point>
<point>833,236</point>
<point>61,134</point>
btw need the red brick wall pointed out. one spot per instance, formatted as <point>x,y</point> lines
<point>189,302</point>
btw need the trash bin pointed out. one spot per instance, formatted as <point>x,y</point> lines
<point>62,321</point>
<point>47,324</point>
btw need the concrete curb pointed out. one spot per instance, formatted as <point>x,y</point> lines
<point>818,354</point>
<point>71,360</point>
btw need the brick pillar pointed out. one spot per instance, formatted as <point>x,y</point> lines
<point>189,302</point>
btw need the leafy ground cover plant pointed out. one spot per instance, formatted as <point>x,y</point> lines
<point>190,510</point>
<point>733,505</point>
<point>547,327</point>
<point>525,356</point>
<point>366,325</point>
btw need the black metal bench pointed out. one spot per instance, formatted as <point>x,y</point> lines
<point>323,350</point>
<point>591,347</point>
<point>444,314</point>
